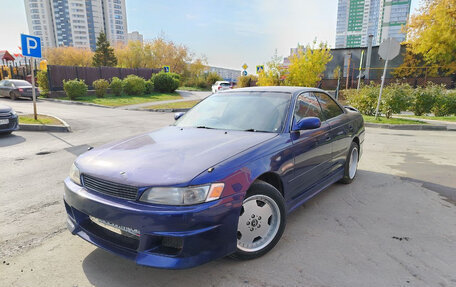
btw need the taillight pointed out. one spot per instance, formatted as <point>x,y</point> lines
<point>21,90</point>
<point>219,87</point>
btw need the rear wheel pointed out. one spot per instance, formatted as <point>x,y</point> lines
<point>13,96</point>
<point>5,133</point>
<point>351,164</point>
<point>261,222</point>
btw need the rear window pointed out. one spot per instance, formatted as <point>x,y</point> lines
<point>225,84</point>
<point>21,83</point>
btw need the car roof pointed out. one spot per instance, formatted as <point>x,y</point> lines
<point>276,89</point>
<point>19,81</point>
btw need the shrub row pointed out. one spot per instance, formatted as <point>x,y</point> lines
<point>132,85</point>
<point>204,81</point>
<point>401,97</point>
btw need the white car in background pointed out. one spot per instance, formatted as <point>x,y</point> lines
<point>220,86</point>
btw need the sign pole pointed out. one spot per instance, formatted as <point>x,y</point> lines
<point>381,89</point>
<point>360,66</point>
<point>33,91</point>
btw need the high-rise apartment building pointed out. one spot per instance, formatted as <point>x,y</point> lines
<point>357,19</point>
<point>76,22</point>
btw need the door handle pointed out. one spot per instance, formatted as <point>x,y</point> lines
<point>350,128</point>
<point>328,138</point>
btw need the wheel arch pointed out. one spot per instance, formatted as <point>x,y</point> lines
<point>273,179</point>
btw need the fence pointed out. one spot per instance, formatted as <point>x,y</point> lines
<point>57,74</point>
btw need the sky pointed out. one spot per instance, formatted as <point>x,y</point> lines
<point>228,33</point>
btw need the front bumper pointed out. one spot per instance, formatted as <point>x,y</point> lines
<point>13,124</point>
<point>174,237</point>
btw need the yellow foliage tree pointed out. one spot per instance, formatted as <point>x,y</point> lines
<point>431,34</point>
<point>68,56</point>
<point>308,64</point>
<point>273,72</point>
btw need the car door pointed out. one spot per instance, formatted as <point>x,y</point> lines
<point>311,148</point>
<point>340,129</point>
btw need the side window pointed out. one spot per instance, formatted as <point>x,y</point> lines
<point>307,106</point>
<point>329,106</point>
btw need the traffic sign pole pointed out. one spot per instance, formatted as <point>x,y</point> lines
<point>35,115</point>
<point>360,67</point>
<point>381,89</point>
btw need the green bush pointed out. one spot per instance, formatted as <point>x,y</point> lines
<point>134,85</point>
<point>424,99</point>
<point>43,83</point>
<point>100,87</point>
<point>246,81</point>
<point>444,104</point>
<point>116,86</point>
<point>211,78</point>
<point>364,99</point>
<point>166,82</point>
<point>75,88</point>
<point>395,99</point>
<point>149,87</point>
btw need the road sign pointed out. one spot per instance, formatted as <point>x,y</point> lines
<point>245,66</point>
<point>260,69</point>
<point>244,73</point>
<point>31,46</point>
<point>389,49</point>
<point>166,69</point>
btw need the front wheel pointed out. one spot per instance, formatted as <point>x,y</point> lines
<point>261,222</point>
<point>351,164</point>
<point>13,96</point>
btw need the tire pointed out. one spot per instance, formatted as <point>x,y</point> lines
<point>13,96</point>
<point>5,133</point>
<point>262,200</point>
<point>350,170</point>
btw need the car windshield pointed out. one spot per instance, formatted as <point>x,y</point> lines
<point>21,83</point>
<point>244,111</point>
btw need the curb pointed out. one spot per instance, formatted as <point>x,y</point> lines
<point>68,102</point>
<point>160,110</point>
<point>65,128</point>
<point>410,127</point>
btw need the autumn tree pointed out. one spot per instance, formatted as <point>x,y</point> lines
<point>272,75</point>
<point>68,56</point>
<point>308,64</point>
<point>104,53</point>
<point>431,35</point>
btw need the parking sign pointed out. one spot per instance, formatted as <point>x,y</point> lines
<point>31,46</point>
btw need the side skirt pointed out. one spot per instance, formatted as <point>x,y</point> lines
<point>327,181</point>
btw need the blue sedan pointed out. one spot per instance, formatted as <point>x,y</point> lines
<point>219,181</point>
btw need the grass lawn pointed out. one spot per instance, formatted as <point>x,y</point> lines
<point>194,89</point>
<point>176,105</point>
<point>124,100</point>
<point>391,121</point>
<point>42,120</point>
<point>448,118</point>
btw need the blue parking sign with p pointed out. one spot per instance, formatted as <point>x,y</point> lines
<point>31,46</point>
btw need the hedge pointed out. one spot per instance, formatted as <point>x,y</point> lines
<point>75,88</point>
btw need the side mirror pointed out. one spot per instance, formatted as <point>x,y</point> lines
<point>309,123</point>
<point>178,115</point>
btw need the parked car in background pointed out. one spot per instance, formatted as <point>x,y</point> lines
<point>221,86</point>
<point>8,120</point>
<point>218,182</point>
<point>15,89</point>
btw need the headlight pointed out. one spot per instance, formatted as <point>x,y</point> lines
<point>183,195</point>
<point>75,176</point>
<point>14,113</point>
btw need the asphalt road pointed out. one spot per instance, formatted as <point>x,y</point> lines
<point>394,226</point>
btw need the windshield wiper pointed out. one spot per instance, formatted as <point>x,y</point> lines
<point>254,130</point>
<point>204,127</point>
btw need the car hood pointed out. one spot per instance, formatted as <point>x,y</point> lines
<point>5,109</point>
<point>169,156</point>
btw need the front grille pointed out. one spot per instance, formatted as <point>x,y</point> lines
<point>109,188</point>
<point>12,123</point>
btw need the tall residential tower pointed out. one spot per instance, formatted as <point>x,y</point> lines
<point>357,19</point>
<point>76,23</point>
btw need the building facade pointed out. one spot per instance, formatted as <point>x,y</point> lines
<point>229,75</point>
<point>357,19</point>
<point>135,36</point>
<point>76,23</point>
